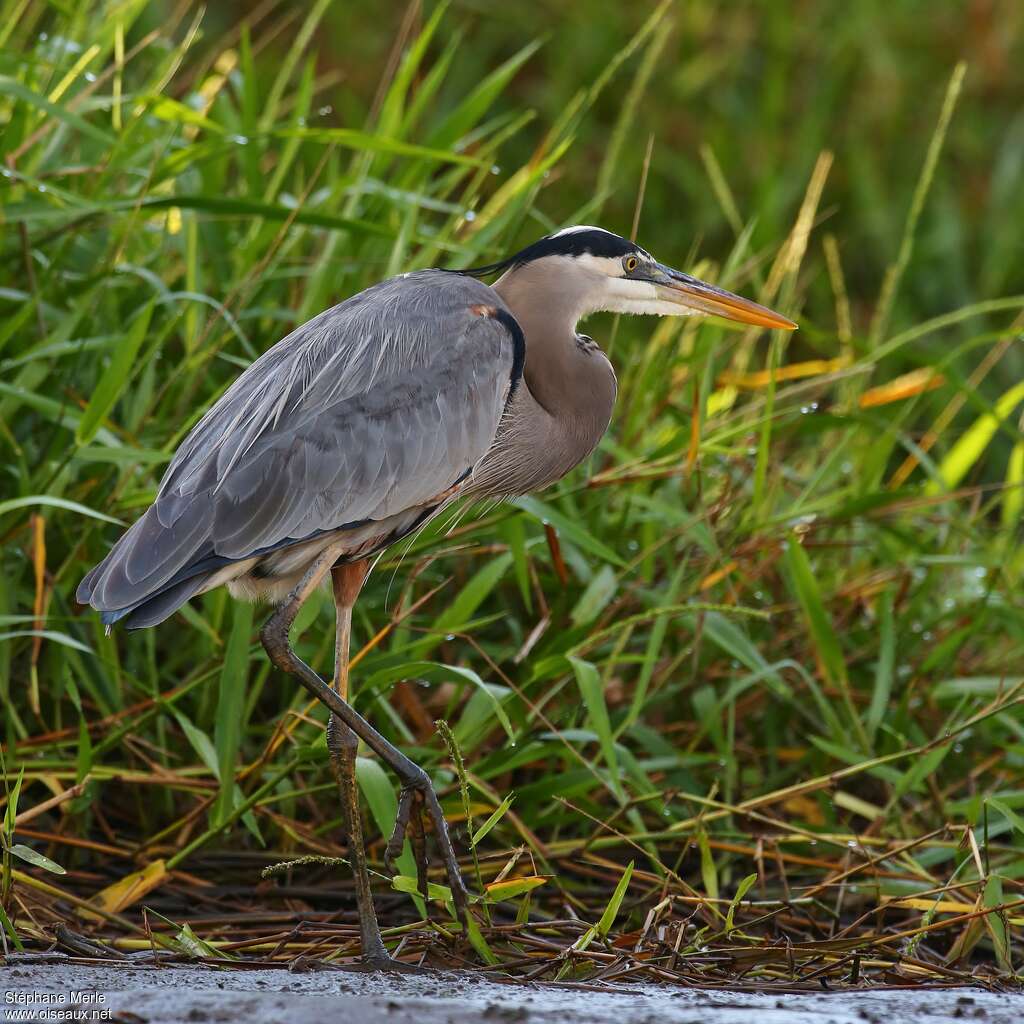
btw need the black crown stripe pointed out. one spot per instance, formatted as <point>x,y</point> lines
<point>594,242</point>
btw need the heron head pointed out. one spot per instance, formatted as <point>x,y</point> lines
<point>609,273</point>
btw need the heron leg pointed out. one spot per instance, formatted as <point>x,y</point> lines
<point>342,744</point>
<point>416,785</point>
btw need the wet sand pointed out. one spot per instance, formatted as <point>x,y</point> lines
<point>136,994</point>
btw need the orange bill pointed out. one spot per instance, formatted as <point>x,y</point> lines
<point>683,290</point>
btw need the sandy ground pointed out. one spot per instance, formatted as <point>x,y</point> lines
<point>54,991</point>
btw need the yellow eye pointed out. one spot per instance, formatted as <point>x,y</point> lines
<point>631,263</point>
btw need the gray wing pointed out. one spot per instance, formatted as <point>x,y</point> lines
<point>371,408</point>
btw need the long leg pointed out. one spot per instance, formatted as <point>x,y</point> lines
<point>413,778</point>
<point>342,743</point>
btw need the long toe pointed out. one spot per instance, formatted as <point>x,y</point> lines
<point>414,801</point>
<point>386,964</point>
<point>460,895</point>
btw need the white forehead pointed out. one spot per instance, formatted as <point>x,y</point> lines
<point>580,227</point>
<point>607,266</point>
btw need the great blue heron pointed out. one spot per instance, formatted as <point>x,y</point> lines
<point>358,427</point>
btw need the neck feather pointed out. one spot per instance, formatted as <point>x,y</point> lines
<point>574,384</point>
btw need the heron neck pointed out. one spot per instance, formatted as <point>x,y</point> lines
<point>563,376</point>
<point>572,382</point>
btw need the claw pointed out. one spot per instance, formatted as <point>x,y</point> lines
<point>394,848</point>
<point>389,965</point>
<point>409,822</point>
<point>419,845</point>
<point>412,802</point>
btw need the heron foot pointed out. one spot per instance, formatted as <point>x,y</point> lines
<point>387,964</point>
<point>417,798</point>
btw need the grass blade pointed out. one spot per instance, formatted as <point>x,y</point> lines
<point>592,692</point>
<point>116,377</point>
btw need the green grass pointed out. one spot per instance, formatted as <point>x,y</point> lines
<point>753,673</point>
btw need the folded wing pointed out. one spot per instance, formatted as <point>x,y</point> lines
<point>371,408</point>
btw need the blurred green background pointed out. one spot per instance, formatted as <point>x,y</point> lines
<point>790,557</point>
<point>767,86</point>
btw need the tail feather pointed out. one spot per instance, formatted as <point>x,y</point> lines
<point>146,602</point>
<point>153,609</point>
<point>163,605</point>
<point>152,570</point>
<point>109,618</point>
<point>155,553</point>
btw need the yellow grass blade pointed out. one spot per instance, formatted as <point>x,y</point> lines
<point>917,382</point>
<point>969,448</point>
<point>127,891</point>
<point>794,371</point>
